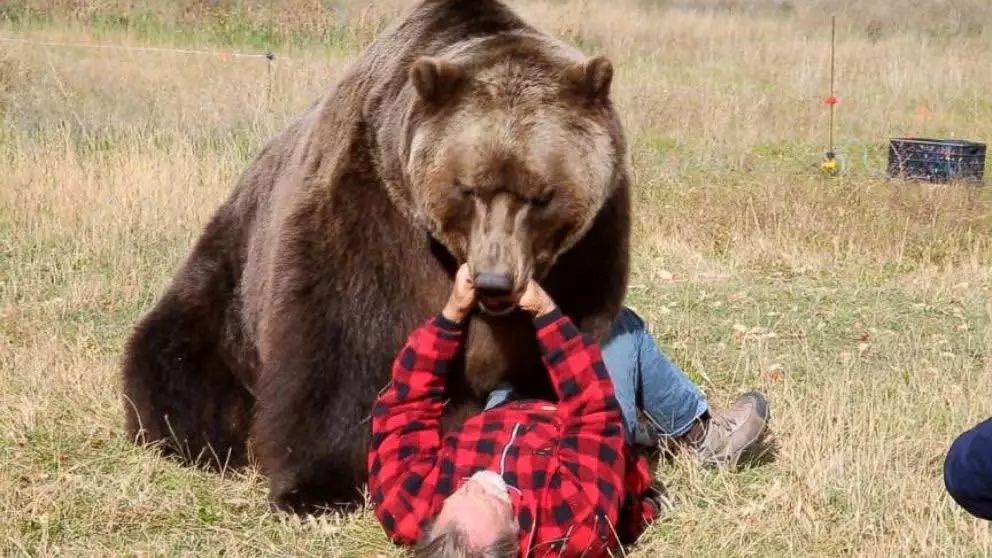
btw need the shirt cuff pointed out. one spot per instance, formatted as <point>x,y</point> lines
<point>448,325</point>
<point>549,318</point>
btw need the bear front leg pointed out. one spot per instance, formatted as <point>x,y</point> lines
<point>312,428</point>
<point>180,392</point>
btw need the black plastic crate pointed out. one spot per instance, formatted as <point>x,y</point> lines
<point>936,160</point>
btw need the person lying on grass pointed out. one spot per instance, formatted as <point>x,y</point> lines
<point>535,477</point>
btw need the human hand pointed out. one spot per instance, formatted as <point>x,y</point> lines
<point>535,300</point>
<point>462,297</point>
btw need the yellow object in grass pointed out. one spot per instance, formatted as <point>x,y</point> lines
<point>829,165</point>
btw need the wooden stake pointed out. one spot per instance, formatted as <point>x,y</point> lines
<point>833,26</point>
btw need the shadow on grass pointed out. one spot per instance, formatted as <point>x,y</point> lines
<point>761,453</point>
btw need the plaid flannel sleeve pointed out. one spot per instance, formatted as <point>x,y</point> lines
<point>641,506</point>
<point>406,435</point>
<point>588,485</point>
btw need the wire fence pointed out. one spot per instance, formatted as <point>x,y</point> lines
<point>222,55</point>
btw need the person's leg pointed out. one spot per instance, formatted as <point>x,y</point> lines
<point>645,378</point>
<point>669,399</point>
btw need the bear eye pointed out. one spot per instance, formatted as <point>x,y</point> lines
<point>541,201</point>
<point>467,191</point>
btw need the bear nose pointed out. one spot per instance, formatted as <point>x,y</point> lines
<point>493,284</point>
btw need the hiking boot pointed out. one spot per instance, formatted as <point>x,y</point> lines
<point>730,432</point>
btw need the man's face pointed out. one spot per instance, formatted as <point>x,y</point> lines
<point>480,512</point>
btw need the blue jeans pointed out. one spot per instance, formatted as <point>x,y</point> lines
<point>643,378</point>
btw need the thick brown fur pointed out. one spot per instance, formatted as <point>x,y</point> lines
<point>461,134</point>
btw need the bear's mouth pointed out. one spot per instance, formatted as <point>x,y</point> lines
<point>497,306</point>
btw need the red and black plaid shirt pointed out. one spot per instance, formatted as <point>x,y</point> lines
<point>568,460</point>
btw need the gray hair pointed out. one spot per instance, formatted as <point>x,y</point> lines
<point>451,541</point>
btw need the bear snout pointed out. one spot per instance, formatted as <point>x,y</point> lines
<point>491,284</point>
<point>497,291</point>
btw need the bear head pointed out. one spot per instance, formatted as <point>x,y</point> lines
<point>512,148</point>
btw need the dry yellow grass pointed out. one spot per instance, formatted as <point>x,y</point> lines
<point>861,305</point>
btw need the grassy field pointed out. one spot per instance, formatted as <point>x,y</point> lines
<point>862,305</point>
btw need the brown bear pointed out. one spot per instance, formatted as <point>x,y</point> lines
<point>461,134</point>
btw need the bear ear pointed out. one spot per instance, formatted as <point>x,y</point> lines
<point>592,78</point>
<point>435,80</point>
